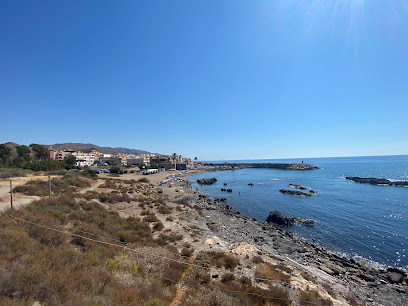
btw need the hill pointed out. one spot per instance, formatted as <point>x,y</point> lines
<point>89,146</point>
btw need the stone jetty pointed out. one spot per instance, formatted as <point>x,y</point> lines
<point>283,166</point>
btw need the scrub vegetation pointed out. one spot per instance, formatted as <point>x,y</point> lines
<point>74,248</point>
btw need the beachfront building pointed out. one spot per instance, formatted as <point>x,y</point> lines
<point>150,171</point>
<point>84,159</point>
<point>60,154</point>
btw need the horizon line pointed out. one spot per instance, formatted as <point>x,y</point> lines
<point>305,157</point>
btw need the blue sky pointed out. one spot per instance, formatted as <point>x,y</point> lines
<point>213,79</point>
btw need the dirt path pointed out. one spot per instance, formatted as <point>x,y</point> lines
<point>18,199</point>
<point>94,186</point>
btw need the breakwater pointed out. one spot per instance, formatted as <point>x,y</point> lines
<point>282,166</point>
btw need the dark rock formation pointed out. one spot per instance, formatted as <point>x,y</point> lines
<point>395,278</point>
<point>207,181</point>
<point>295,193</point>
<point>308,222</point>
<point>376,181</point>
<point>277,218</point>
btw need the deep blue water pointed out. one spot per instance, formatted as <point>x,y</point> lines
<point>364,221</point>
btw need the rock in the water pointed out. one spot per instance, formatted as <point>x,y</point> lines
<point>376,181</point>
<point>295,193</point>
<point>308,222</point>
<point>277,218</point>
<point>207,181</point>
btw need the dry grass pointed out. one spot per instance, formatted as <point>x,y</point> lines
<point>312,297</point>
<point>37,264</point>
<point>218,259</point>
<point>68,183</point>
<point>268,271</point>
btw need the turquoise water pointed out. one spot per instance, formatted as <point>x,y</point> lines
<point>363,221</point>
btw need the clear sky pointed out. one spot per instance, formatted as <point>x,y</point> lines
<point>213,79</point>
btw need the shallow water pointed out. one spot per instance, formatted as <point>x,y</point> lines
<point>359,220</point>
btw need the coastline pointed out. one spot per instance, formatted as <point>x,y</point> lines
<point>236,228</point>
<point>235,232</point>
<point>208,225</point>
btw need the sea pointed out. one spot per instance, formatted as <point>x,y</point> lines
<point>360,221</point>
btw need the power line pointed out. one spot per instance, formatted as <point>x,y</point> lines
<point>123,244</point>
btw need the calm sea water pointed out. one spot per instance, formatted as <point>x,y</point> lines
<point>362,221</point>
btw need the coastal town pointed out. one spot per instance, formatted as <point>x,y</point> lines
<point>148,160</point>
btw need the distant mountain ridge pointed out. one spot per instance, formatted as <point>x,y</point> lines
<point>85,147</point>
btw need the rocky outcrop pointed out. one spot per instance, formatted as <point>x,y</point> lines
<point>376,181</point>
<point>207,181</point>
<point>308,222</point>
<point>296,193</point>
<point>374,286</point>
<point>277,218</point>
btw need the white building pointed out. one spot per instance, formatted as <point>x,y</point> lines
<point>84,159</point>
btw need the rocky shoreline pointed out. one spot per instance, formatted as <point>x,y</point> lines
<point>375,287</point>
<point>376,181</point>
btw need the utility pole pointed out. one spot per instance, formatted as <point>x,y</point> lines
<point>11,194</point>
<point>49,187</point>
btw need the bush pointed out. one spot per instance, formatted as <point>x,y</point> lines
<point>8,173</point>
<point>227,277</point>
<point>268,271</point>
<point>312,297</point>
<point>164,210</point>
<point>150,218</point>
<point>44,165</point>
<point>218,259</point>
<point>113,198</point>
<point>158,226</point>
<point>88,173</point>
<point>185,252</point>
<point>172,237</point>
<point>257,259</point>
